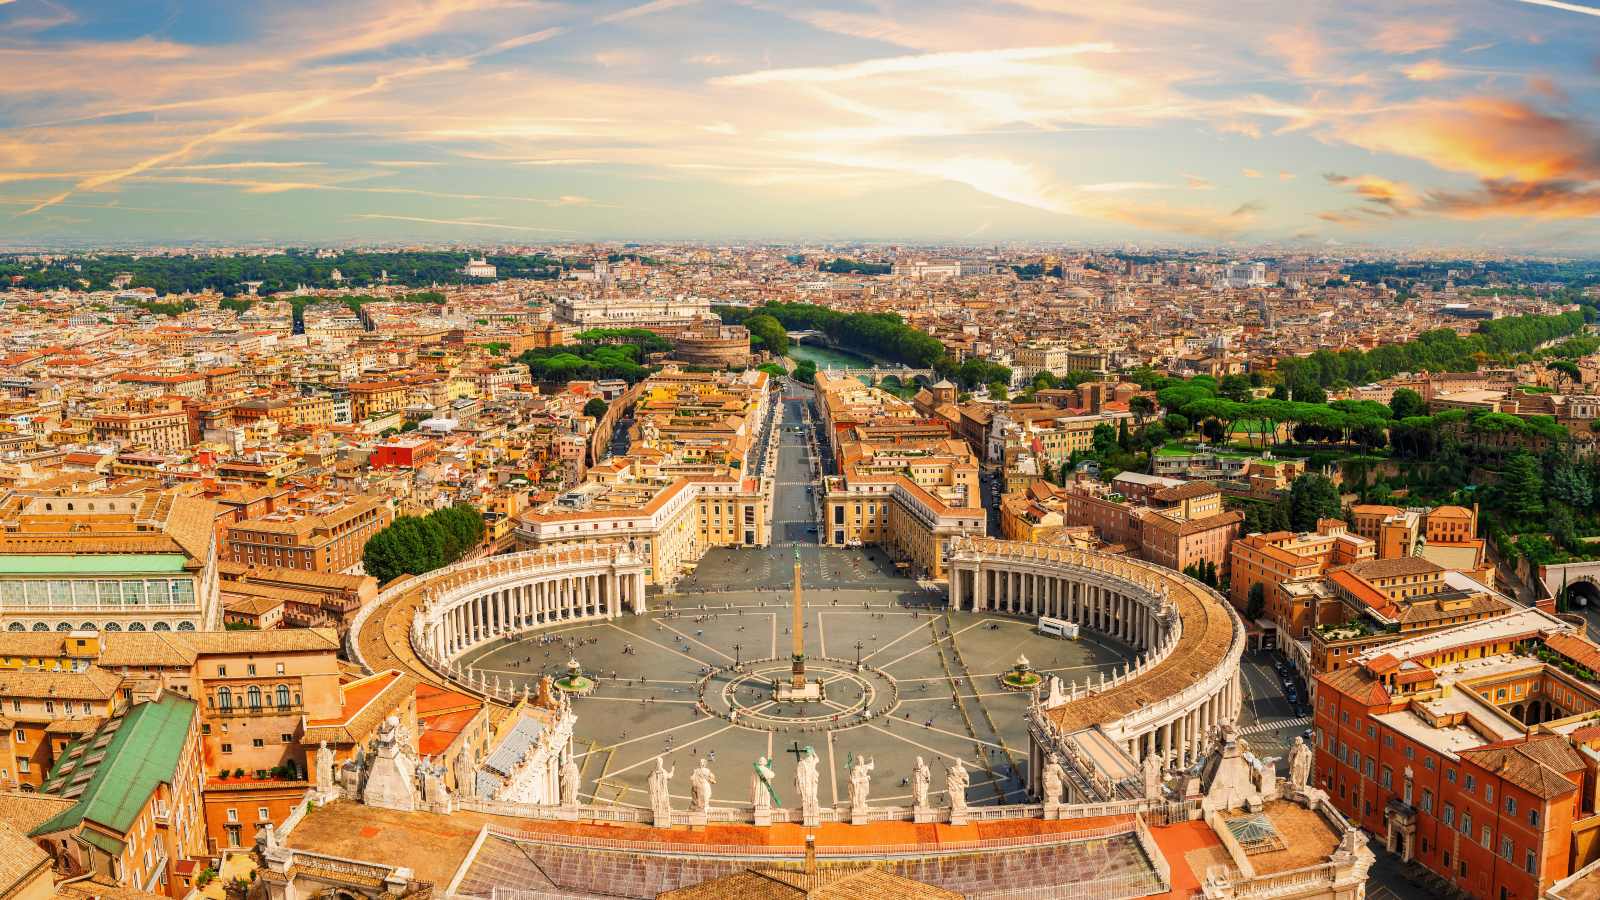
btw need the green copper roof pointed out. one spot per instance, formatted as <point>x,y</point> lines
<point>90,563</point>
<point>140,751</point>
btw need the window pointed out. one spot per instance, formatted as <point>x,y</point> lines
<point>280,668</point>
<point>1488,792</point>
<point>1427,800</point>
<point>1466,824</point>
<point>1450,775</point>
<point>254,694</point>
<point>283,696</point>
<point>1486,837</point>
<point>1449,815</point>
<point>1511,806</point>
<point>1471,784</point>
<point>227,748</point>
<point>224,699</point>
<point>20,736</point>
<point>1533,817</point>
<point>1532,864</point>
<point>233,814</point>
<point>222,671</point>
<point>1506,848</point>
<point>286,738</point>
<point>1388,778</point>
<point>261,813</point>
<point>24,765</point>
<point>258,742</point>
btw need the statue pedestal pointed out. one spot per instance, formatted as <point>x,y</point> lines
<point>860,815</point>
<point>763,817</point>
<point>958,816</point>
<point>810,692</point>
<point>662,818</point>
<point>1052,810</point>
<point>697,820</point>
<point>923,815</point>
<point>810,819</point>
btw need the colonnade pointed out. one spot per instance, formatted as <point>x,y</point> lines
<point>481,617</point>
<point>1124,612</point>
<point>1175,625</point>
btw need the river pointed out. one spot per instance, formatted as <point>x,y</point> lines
<point>827,356</point>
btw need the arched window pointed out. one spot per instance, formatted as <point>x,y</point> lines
<point>40,626</point>
<point>283,696</point>
<point>254,693</point>
<point>161,626</point>
<point>185,626</point>
<point>63,626</point>
<point>113,626</point>
<point>224,698</point>
<point>135,626</point>
<point>16,626</point>
<point>88,626</point>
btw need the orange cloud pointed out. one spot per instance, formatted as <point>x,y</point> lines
<point>1428,70</point>
<point>1490,138</point>
<point>1397,198</point>
<point>1536,200</point>
<point>1412,37</point>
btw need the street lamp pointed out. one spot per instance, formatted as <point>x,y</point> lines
<point>736,656</point>
<point>858,654</point>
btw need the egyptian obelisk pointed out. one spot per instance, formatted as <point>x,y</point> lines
<point>797,680</point>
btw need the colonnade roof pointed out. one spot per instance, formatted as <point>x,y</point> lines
<point>1208,632</point>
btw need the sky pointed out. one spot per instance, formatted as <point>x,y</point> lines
<point>1371,123</point>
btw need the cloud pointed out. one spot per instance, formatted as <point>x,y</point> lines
<point>1117,187</point>
<point>1197,183</point>
<point>1250,173</point>
<point>1429,70</point>
<point>218,167</point>
<point>1569,7</point>
<point>1491,138</point>
<point>1547,200</point>
<point>1285,176</point>
<point>1406,36</point>
<point>708,59</point>
<point>1396,198</point>
<point>644,9</point>
<point>462,223</point>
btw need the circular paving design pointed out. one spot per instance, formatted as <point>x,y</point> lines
<point>851,696</point>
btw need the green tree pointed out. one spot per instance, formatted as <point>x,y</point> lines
<point>1312,497</point>
<point>1566,372</point>
<point>1521,488</point>
<point>1256,601</point>
<point>595,408</point>
<point>1407,403</point>
<point>768,332</point>
<point>1141,407</point>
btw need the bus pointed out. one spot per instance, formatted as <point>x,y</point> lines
<point>1058,628</point>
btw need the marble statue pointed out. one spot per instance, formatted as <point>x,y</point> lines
<point>762,795</point>
<point>1300,764</point>
<point>806,781</point>
<point>324,768</point>
<point>921,778</point>
<point>860,784</point>
<point>700,782</point>
<point>956,780</point>
<point>1151,769</point>
<point>1055,778</point>
<point>660,800</point>
<point>569,782</point>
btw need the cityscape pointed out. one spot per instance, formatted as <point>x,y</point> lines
<point>504,450</point>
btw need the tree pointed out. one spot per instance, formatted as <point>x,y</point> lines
<point>1407,403</point>
<point>1566,372</point>
<point>1176,423</point>
<point>1312,497</point>
<point>595,408</point>
<point>1235,388</point>
<point>1521,488</point>
<point>1256,602</point>
<point>768,332</point>
<point>1141,407</point>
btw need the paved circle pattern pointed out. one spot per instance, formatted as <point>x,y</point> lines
<point>852,697</point>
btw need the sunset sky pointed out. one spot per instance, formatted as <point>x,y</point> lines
<point>1471,123</point>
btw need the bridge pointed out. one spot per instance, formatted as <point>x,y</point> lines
<point>816,337</point>
<point>1581,579</point>
<point>876,374</point>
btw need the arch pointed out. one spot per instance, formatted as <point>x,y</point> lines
<point>282,692</point>
<point>63,626</point>
<point>113,626</point>
<point>40,626</point>
<point>224,698</point>
<point>185,626</point>
<point>16,626</point>
<point>160,626</point>
<point>254,696</point>
<point>1519,713</point>
<point>88,626</point>
<point>1583,592</point>
<point>135,626</point>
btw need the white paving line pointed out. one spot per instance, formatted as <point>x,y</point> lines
<point>660,646</point>
<point>964,737</point>
<point>919,627</point>
<point>695,640</point>
<point>653,734</point>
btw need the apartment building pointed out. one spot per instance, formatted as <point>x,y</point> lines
<point>135,782</point>
<point>1465,755</point>
<point>1281,559</point>
<point>319,534</point>
<point>161,428</point>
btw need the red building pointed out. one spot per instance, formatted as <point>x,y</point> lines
<point>404,453</point>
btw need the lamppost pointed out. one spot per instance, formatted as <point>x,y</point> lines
<point>858,655</point>
<point>736,656</point>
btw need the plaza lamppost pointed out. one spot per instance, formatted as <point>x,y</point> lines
<point>736,647</point>
<point>858,656</point>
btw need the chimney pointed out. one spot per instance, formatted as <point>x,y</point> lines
<point>811,854</point>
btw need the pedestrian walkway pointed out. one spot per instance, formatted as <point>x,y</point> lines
<point>1275,724</point>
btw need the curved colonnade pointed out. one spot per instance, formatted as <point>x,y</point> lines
<point>424,625</point>
<point>1184,682</point>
